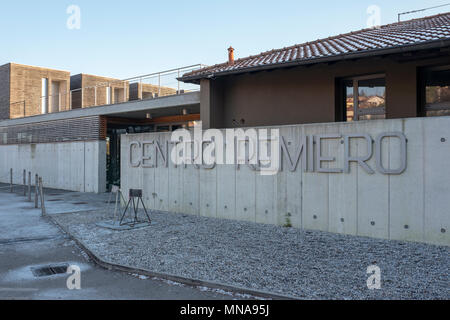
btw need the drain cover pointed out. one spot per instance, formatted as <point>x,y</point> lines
<point>49,270</point>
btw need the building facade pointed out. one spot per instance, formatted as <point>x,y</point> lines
<point>28,91</point>
<point>385,89</point>
<point>91,91</point>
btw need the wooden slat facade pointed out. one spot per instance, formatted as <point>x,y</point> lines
<point>76,129</point>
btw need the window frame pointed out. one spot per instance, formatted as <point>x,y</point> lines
<point>423,90</point>
<point>357,112</point>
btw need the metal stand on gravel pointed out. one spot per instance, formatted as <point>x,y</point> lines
<point>135,197</point>
<point>115,190</point>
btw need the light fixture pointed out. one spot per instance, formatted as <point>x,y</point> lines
<point>185,112</point>
<point>149,116</point>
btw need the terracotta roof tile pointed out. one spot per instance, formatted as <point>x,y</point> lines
<point>405,33</point>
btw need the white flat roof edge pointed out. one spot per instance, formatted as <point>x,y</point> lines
<point>174,101</point>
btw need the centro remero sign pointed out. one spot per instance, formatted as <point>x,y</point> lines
<point>264,150</point>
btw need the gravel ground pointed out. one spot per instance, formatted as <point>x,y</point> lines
<point>304,264</point>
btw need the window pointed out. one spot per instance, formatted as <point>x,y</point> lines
<point>44,96</point>
<point>108,95</point>
<point>436,91</point>
<point>364,98</point>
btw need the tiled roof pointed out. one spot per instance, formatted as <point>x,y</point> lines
<point>407,33</point>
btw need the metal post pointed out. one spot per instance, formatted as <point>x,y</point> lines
<point>41,191</point>
<point>159,85</point>
<point>11,178</point>
<point>179,92</point>
<point>355,100</point>
<point>140,89</point>
<point>24,183</point>
<point>29,186</point>
<point>36,192</point>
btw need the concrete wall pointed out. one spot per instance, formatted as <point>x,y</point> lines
<point>306,94</point>
<point>74,166</point>
<point>411,206</point>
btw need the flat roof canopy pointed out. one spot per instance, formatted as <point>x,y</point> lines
<point>158,107</point>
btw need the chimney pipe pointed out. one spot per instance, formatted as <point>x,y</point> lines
<point>230,56</point>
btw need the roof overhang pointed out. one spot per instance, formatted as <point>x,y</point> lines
<point>434,44</point>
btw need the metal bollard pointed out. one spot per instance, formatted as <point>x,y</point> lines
<point>29,186</point>
<point>36,192</point>
<point>41,191</point>
<point>24,183</point>
<point>11,179</point>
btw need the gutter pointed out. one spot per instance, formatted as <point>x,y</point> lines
<point>433,44</point>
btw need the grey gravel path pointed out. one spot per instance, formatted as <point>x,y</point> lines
<point>304,264</point>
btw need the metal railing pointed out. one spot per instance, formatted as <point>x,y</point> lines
<point>163,83</point>
<point>149,86</point>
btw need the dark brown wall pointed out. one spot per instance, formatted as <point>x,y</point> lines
<point>306,94</point>
<point>212,103</point>
<point>279,97</point>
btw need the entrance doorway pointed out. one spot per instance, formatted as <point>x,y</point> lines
<point>119,126</point>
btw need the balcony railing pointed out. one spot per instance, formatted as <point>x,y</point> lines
<point>149,86</point>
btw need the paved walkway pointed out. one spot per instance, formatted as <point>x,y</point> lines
<point>27,240</point>
<point>284,261</point>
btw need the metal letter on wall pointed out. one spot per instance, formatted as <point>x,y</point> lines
<point>147,158</point>
<point>134,164</point>
<point>301,153</point>
<point>320,158</point>
<point>164,155</point>
<point>360,160</point>
<point>403,153</point>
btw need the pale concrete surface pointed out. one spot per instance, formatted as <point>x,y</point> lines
<point>28,240</point>
<point>78,166</point>
<point>412,206</point>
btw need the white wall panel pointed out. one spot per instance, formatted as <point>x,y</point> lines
<point>410,206</point>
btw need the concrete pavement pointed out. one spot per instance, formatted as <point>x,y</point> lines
<point>27,240</point>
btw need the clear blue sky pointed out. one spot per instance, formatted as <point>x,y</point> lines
<point>128,38</point>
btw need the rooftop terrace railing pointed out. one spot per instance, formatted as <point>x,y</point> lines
<point>166,82</point>
<point>144,87</point>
